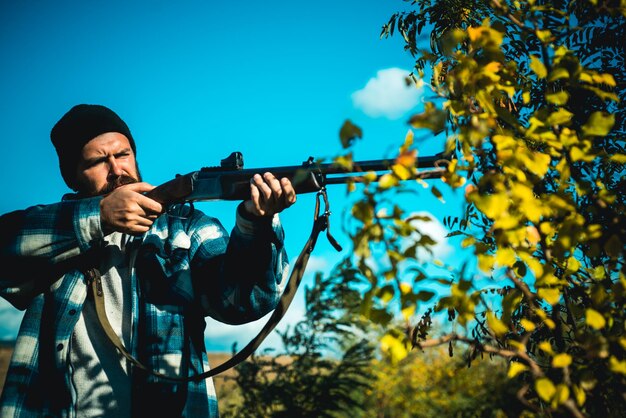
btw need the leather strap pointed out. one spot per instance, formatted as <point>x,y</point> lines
<point>320,223</point>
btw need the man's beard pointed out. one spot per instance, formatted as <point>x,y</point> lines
<point>117,182</point>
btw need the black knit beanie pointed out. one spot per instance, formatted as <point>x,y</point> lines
<point>78,126</point>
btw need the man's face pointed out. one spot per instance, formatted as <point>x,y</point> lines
<point>107,162</point>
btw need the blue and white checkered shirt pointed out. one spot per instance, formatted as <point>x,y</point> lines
<point>181,271</point>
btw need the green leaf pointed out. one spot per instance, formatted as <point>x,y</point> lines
<point>348,133</point>
<point>432,118</point>
<point>435,191</point>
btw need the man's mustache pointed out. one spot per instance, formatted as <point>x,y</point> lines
<point>117,182</point>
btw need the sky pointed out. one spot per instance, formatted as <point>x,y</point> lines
<point>196,80</point>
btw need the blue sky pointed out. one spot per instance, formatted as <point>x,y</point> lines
<point>197,80</point>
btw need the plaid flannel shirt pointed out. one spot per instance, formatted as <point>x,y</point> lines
<point>181,271</point>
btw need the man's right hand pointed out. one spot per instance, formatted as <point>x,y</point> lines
<point>127,210</point>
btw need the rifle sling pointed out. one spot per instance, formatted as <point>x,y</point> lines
<point>320,223</point>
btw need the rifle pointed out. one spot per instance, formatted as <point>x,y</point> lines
<point>230,181</point>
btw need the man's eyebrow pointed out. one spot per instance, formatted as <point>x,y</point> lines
<point>124,151</point>
<point>98,158</point>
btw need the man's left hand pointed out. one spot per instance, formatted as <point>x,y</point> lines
<point>268,195</point>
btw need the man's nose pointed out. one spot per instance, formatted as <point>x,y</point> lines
<point>115,170</point>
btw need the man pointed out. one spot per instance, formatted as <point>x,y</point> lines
<point>161,275</point>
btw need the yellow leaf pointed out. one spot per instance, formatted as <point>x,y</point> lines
<point>408,312</point>
<point>393,347</point>
<point>546,347</point>
<point>559,98</point>
<point>599,124</point>
<point>407,158</point>
<point>517,345</point>
<point>607,79</point>
<point>544,35</point>
<point>496,325</point>
<point>560,117</point>
<point>617,366</point>
<point>516,368</point>
<point>528,325</point>
<point>532,235</point>
<point>474,33</point>
<point>594,319</point>
<point>370,176</point>
<point>558,73</point>
<point>551,296</point>
<point>387,181</point>
<point>505,257</point>
<point>579,394</point>
<point>549,323</point>
<point>493,67</point>
<point>619,158</point>
<point>401,171</point>
<point>586,77</point>
<point>532,209</point>
<point>568,137</point>
<point>494,206</point>
<point>545,388</point>
<point>578,154</point>
<point>405,288</point>
<point>538,67</point>
<point>573,265</point>
<point>561,360</point>
<point>408,141</point>
<point>562,394</point>
<point>485,262</point>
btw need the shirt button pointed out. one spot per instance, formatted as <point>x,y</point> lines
<point>72,311</point>
<point>59,347</point>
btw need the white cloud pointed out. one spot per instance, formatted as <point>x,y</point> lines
<point>387,94</point>
<point>316,264</point>
<point>437,232</point>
